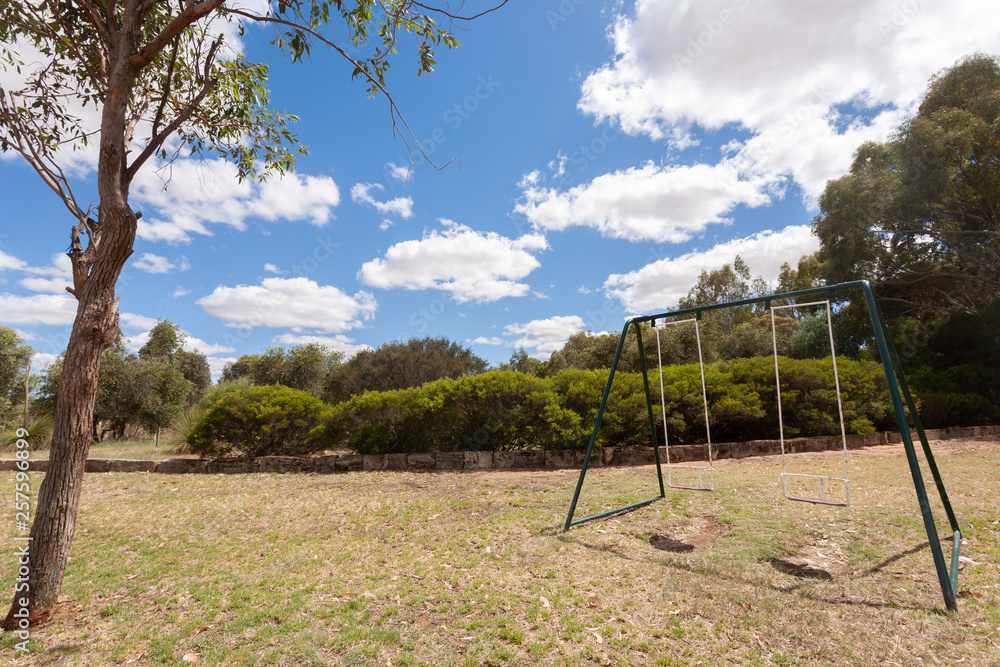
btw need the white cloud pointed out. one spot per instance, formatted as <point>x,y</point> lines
<point>397,172</point>
<point>295,197</point>
<point>470,265</point>
<point>298,303</point>
<point>401,206</point>
<point>180,291</point>
<point>216,364</point>
<point>272,268</point>
<point>483,340</point>
<point>195,344</point>
<point>10,262</point>
<point>53,309</point>
<point>856,69</point>
<point>54,278</point>
<point>40,361</point>
<point>339,342</point>
<point>191,343</point>
<point>29,335</point>
<point>651,203</point>
<point>135,321</point>
<point>659,286</point>
<point>545,336</point>
<point>190,195</point>
<point>151,263</point>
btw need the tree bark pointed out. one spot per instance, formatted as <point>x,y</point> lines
<point>95,272</point>
<point>59,496</point>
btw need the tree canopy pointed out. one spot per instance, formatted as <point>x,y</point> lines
<point>399,365</point>
<point>919,215</point>
<point>306,367</point>
<point>14,359</point>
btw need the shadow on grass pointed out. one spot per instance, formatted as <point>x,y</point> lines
<point>801,589</point>
<point>892,559</point>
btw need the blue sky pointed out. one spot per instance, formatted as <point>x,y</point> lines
<point>604,154</point>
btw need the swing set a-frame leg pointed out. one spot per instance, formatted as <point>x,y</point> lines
<point>899,391</point>
<point>570,521</point>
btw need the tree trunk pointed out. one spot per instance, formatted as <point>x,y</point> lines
<point>94,330</point>
<point>95,272</point>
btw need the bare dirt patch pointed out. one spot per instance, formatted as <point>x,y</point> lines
<point>814,561</point>
<point>701,533</point>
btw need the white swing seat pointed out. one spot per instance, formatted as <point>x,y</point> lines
<point>701,486</point>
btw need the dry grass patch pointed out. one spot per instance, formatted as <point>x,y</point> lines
<point>143,450</point>
<point>473,569</point>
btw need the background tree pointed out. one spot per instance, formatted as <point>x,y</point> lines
<point>808,273</point>
<point>401,365</point>
<point>161,391</point>
<point>195,369</point>
<point>306,367</point>
<point>719,328</point>
<point>522,362</point>
<point>119,396</point>
<point>919,215</point>
<point>162,79</point>
<point>131,391</point>
<point>161,388</point>
<point>165,340</point>
<point>14,359</point>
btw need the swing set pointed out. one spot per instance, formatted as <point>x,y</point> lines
<point>702,478</point>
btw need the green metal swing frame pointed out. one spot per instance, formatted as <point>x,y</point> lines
<point>899,392</point>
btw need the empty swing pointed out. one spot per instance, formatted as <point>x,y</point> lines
<point>822,479</point>
<point>706,474</point>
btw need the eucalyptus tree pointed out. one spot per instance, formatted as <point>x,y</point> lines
<point>145,80</point>
<point>15,360</point>
<point>919,214</point>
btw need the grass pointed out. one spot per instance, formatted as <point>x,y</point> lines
<point>458,568</point>
<point>144,450</point>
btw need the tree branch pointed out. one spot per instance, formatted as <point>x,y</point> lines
<point>165,95</point>
<point>156,141</point>
<point>394,108</point>
<point>98,21</point>
<point>456,17</point>
<point>188,16</point>
<point>54,178</point>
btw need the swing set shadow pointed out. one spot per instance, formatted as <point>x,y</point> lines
<point>899,393</point>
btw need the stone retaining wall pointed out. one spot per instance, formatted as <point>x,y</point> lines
<point>549,459</point>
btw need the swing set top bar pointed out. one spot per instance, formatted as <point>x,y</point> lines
<point>899,393</point>
<point>698,310</point>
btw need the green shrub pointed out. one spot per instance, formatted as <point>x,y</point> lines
<point>502,410</point>
<point>260,421</point>
<point>39,434</point>
<point>496,410</point>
